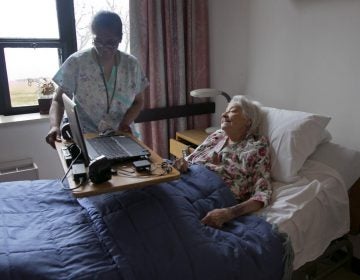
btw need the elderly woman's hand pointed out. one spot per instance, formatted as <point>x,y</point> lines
<point>217,217</point>
<point>181,164</point>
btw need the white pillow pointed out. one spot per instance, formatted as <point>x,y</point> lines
<point>293,137</point>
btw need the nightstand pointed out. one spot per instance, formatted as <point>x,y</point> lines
<point>186,140</point>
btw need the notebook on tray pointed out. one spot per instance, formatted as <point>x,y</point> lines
<point>117,148</point>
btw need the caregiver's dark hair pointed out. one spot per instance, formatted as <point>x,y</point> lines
<point>107,20</point>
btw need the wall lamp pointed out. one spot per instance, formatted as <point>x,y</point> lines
<point>209,92</point>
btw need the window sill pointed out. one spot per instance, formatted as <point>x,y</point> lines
<point>25,118</point>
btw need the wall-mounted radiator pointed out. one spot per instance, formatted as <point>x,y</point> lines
<point>18,170</point>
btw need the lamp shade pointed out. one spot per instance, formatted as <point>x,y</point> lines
<point>209,92</point>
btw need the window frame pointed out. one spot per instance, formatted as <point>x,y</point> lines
<point>66,45</point>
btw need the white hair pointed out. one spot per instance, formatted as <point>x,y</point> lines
<point>251,109</point>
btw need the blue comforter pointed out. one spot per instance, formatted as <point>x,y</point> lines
<point>149,233</point>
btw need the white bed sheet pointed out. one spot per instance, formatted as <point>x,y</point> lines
<point>344,160</point>
<point>313,211</point>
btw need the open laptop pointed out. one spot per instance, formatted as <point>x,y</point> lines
<point>115,148</point>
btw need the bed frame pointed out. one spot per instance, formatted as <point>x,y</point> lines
<point>340,251</point>
<point>354,197</point>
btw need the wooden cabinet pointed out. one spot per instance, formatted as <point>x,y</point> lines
<point>187,141</point>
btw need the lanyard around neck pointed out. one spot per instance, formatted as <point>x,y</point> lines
<point>108,99</point>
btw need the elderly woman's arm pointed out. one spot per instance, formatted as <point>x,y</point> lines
<point>199,154</point>
<point>261,192</point>
<point>218,217</point>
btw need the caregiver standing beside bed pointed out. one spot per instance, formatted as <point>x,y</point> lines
<point>240,156</point>
<point>105,83</point>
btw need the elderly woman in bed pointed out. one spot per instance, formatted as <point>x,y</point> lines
<point>240,156</point>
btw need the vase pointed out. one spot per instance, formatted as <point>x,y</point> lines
<point>44,105</point>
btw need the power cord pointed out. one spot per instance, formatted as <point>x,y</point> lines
<point>81,178</point>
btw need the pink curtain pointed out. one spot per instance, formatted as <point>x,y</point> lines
<point>170,39</point>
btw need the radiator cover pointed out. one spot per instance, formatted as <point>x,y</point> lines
<point>18,170</point>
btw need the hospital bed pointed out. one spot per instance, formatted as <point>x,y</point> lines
<point>155,232</point>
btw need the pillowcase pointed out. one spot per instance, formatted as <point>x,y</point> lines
<point>293,137</point>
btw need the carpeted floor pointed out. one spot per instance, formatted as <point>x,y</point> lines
<point>343,274</point>
<point>337,264</point>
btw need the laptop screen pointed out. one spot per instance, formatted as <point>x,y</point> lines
<point>78,137</point>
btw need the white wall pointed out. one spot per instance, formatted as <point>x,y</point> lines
<point>300,54</point>
<point>27,140</point>
<point>228,49</point>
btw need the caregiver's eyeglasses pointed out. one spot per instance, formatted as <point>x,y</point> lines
<point>111,45</point>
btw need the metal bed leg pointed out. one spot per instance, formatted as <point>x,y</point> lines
<point>338,254</point>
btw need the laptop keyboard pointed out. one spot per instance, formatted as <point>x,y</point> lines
<point>108,147</point>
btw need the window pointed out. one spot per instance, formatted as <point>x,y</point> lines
<point>32,49</point>
<point>84,11</point>
<point>26,68</point>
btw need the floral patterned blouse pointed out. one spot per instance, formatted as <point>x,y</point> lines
<point>80,75</point>
<point>244,166</point>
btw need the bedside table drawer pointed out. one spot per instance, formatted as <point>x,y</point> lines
<point>176,148</point>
